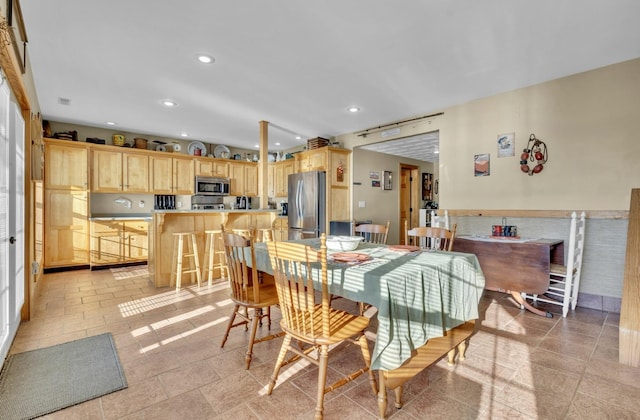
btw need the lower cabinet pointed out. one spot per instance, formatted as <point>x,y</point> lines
<point>118,242</point>
<point>281,229</point>
<point>66,228</point>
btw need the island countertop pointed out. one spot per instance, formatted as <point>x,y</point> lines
<point>165,223</point>
<point>189,211</point>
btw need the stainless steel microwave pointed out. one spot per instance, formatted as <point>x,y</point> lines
<point>206,185</point>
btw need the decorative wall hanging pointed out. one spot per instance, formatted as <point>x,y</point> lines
<point>537,153</point>
<point>481,166</point>
<point>506,145</point>
<point>387,180</point>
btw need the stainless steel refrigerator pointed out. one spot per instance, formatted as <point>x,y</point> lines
<point>307,204</point>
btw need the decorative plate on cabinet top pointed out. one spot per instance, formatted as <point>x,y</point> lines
<point>221,151</point>
<point>197,145</point>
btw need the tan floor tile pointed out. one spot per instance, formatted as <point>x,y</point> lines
<point>519,365</point>
<point>190,405</point>
<point>188,377</point>
<point>133,399</point>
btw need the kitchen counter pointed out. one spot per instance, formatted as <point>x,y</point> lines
<point>189,211</point>
<point>167,222</point>
<point>144,216</point>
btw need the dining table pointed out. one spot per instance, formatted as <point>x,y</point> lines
<point>427,303</point>
<point>515,265</point>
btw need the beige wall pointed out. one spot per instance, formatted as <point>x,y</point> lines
<point>591,125</point>
<point>380,205</point>
<point>589,121</point>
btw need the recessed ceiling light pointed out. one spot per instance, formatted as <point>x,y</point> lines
<point>277,144</point>
<point>257,146</point>
<point>169,103</point>
<point>436,151</point>
<point>298,137</point>
<point>353,109</point>
<point>205,59</point>
<point>110,123</point>
<point>184,134</point>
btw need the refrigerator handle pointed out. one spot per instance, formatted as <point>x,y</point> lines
<point>299,200</point>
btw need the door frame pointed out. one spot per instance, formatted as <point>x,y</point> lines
<point>414,198</point>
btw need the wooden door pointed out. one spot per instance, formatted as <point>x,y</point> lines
<point>183,176</point>
<point>136,240</point>
<point>161,170</point>
<point>107,171</point>
<point>409,202</point>
<point>65,167</point>
<point>204,167</point>
<point>221,169</point>
<point>251,180</point>
<point>236,175</point>
<point>66,228</point>
<point>135,173</point>
<point>106,242</point>
<point>271,180</point>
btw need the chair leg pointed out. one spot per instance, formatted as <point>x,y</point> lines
<point>323,361</point>
<point>257,316</point>
<point>364,348</point>
<point>283,352</point>
<point>230,325</point>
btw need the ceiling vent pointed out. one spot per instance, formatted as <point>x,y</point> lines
<point>64,101</point>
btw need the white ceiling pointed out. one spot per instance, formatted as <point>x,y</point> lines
<point>300,65</point>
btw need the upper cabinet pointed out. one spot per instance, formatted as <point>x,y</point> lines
<point>171,175</point>
<point>330,159</point>
<point>211,167</point>
<point>279,177</point>
<point>114,171</point>
<point>66,165</point>
<point>244,178</point>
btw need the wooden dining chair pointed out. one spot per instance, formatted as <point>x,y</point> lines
<point>564,280</point>
<point>430,237</point>
<point>251,297</point>
<point>372,233</point>
<point>312,323</point>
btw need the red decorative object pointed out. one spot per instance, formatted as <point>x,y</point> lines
<point>537,153</point>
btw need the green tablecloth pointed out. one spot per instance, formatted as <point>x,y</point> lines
<point>419,295</point>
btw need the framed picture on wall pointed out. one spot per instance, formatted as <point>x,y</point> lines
<point>506,145</point>
<point>481,165</point>
<point>427,186</point>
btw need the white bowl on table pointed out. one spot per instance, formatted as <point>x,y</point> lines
<point>343,243</point>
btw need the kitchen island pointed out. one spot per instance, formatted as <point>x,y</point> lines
<point>166,222</point>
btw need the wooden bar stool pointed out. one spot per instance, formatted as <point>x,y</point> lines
<point>179,254</point>
<point>213,256</point>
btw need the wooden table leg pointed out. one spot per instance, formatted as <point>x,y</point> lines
<point>518,297</point>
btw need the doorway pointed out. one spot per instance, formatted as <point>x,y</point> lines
<point>409,198</point>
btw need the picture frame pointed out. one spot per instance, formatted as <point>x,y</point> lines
<point>427,186</point>
<point>482,164</point>
<point>374,175</point>
<point>375,183</point>
<point>17,32</point>
<point>387,177</point>
<point>506,145</point>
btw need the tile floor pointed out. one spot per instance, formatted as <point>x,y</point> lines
<point>518,365</point>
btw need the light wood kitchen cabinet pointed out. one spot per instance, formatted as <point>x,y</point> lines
<point>114,171</point>
<point>211,167</point>
<point>66,228</point>
<point>336,163</point>
<point>279,177</point>
<point>171,175</point>
<point>281,228</point>
<point>66,165</point>
<point>244,179</point>
<point>312,160</point>
<point>118,242</point>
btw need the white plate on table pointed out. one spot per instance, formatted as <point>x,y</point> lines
<point>220,149</point>
<point>197,145</point>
